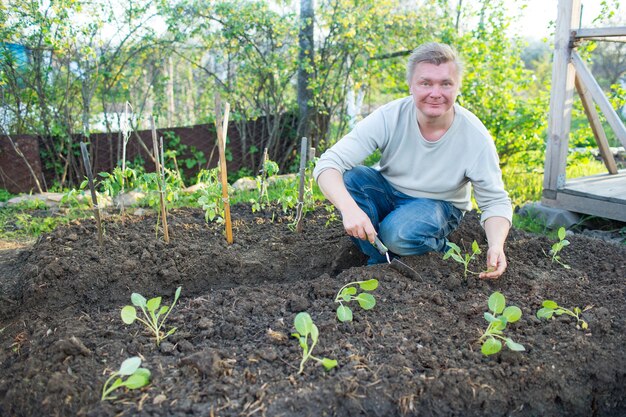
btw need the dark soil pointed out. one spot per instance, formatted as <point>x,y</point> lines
<point>416,353</point>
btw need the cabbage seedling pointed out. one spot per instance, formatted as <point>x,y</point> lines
<point>137,378</point>
<point>348,293</point>
<point>455,253</point>
<point>498,319</point>
<point>305,327</point>
<point>154,314</point>
<point>550,308</point>
<point>558,246</point>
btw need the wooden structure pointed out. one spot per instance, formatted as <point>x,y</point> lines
<point>601,195</point>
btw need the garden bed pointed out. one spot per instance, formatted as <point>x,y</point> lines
<point>415,353</point>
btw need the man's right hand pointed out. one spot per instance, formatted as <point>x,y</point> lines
<point>358,224</point>
<point>355,221</point>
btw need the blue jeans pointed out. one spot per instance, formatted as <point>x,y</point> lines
<point>406,225</point>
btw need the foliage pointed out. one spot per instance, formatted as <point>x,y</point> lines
<point>5,195</point>
<point>305,327</point>
<point>349,292</point>
<point>498,318</point>
<point>154,317</point>
<point>558,246</point>
<point>550,308</point>
<point>137,378</point>
<point>456,254</point>
<point>269,169</point>
<point>210,196</point>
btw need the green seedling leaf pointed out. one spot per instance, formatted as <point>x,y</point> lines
<point>499,324</point>
<point>348,291</point>
<point>303,323</point>
<point>453,246</point>
<point>177,294</point>
<point>491,346</point>
<point>489,317</point>
<point>514,346</point>
<point>129,314</point>
<point>329,364</point>
<point>561,233</point>
<point>315,333</point>
<point>550,304</point>
<point>138,300</point>
<point>366,301</point>
<point>344,313</point>
<point>171,331</point>
<point>545,313</point>
<point>512,314</point>
<point>139,379</point>
<point>153,303</point>
<point>163,310</point>
<point>496,302</point>
<point>129,366</point>
<point>475,247</point>
<point>369,285</point>
<point>457,258</point>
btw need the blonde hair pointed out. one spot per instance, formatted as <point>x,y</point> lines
<point>433,53</point>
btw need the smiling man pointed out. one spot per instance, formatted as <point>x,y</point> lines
<point>432,152</point>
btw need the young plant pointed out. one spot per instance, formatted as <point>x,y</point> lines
<point>498,318</point>
<point>550,308</point>
<point>348,293</point>
<point>455,253</point>
<point>154,314</point>
<point>558,246</point>
<point>137,378</point>
<point>305,327</point>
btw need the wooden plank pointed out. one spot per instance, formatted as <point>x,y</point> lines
<point>588,205</point>
<point>561,96</point>
<point>590,33</point>
<point>606,187</point>
<point>598,96</point>
<point>596,127</point>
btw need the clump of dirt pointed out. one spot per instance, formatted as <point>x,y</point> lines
<point>415,353</point>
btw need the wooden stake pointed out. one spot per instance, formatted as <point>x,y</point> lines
<point>263,189</point>
<point>94,197</point>
<point>304,147</point>
<point>161,182</point>
<point>221,127</point>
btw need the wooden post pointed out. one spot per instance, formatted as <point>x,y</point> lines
<point>596,127</point>
<point>94,197</point>
<point>304,146</point>
<point>596,92</point>
<point>561,96</point>
<point>160,181</point>
<point>221,127</point>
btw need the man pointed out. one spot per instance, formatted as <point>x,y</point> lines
<point>431,150</point>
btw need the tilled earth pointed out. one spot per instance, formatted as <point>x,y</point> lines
<point>416,353</point>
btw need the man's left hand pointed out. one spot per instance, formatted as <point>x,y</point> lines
<point>496,263</point>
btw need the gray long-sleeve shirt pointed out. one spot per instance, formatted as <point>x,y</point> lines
<point>441,170</point>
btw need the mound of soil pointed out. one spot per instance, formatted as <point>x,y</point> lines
<point>415,353</point>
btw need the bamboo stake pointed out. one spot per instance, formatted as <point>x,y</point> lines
<point>304,148</point>
<point>161,182</point>
<point>221,138</point>
<point>94,197</point>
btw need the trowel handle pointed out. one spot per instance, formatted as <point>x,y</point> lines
<point>379,246</point>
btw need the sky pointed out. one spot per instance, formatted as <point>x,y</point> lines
<point>536,18</point>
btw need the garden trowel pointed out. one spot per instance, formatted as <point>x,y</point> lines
<point>395,263</point>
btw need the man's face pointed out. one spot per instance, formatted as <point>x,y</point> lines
<point>434,88</point>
